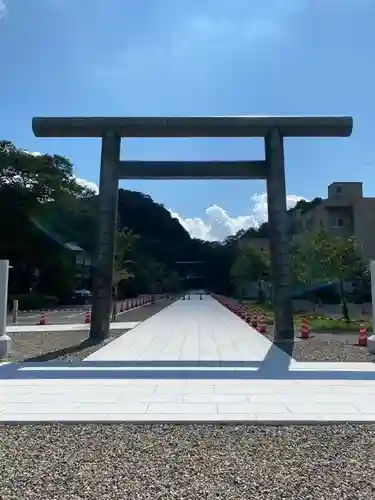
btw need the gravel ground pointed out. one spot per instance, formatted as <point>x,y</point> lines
<point>330,347</point>
<point>71,345</point>
<point>165,462</point>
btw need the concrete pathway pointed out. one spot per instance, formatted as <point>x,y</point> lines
<point>194,361</point>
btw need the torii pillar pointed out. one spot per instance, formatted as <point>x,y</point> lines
<point>272,129</point>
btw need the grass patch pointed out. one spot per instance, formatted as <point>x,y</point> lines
<point>317,322</point>
<point>337,325</point>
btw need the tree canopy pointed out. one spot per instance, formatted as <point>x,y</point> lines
<point>251,265</point>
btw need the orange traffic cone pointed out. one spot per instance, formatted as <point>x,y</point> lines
<point>362,339</point>
<point>43,319</point>
<point>87,317</point>
<point>305,329</point>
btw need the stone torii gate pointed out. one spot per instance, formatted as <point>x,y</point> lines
<point>272,129</point>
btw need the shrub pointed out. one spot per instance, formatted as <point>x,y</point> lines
<point>33,301</point>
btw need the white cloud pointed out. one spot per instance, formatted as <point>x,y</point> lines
<point>35,153</point>
<point>87,184</point>
<point>3,9</point>
<point>217,224</point>
<point>261,207</point>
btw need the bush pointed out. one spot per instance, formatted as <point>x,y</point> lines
<point>33,301</point>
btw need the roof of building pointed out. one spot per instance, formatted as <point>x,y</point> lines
<point>56,237</point>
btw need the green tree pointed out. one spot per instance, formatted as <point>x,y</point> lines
<point>345,264</point>
<point>309,254</point>
<point>171,282</point>
<point>251,265</point>
<point>39,178</point>
<point>125,244</point>
<point>31,187</point>
<point>156,274</point>
<point>321,258</point>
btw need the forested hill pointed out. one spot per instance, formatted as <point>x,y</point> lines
<point>46,215</point>
<point>137,213</point>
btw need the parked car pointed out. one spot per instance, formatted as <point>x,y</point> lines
<point>81,297</point>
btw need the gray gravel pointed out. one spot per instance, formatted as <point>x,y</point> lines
<point>233,462</point>
<point>71,345</point>
<point>329,347</point>
<point>332,347</point>
<point>55,346</point>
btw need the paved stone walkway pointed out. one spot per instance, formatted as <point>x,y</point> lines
<point>193,330</point>
<point>193,361</point>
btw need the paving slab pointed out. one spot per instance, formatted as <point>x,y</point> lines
<point>195,361</point>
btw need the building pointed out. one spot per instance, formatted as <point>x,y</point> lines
<point>82,264</point>
<point>344,213</point>
<point>79,258</point>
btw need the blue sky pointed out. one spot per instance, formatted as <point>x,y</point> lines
<point>196,57</point>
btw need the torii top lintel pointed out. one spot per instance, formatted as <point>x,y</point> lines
<point>213,126</point>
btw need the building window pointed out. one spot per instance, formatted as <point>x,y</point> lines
<point>338,190</point>
<point>337,222</point>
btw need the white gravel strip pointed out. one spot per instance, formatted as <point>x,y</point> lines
<point>123,325</point>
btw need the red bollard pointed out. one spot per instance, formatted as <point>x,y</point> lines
<point>305,329</point>
<point>87,317</point>
<point>261,325</point>
<point>362,339</point>
<point>43,319</point>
